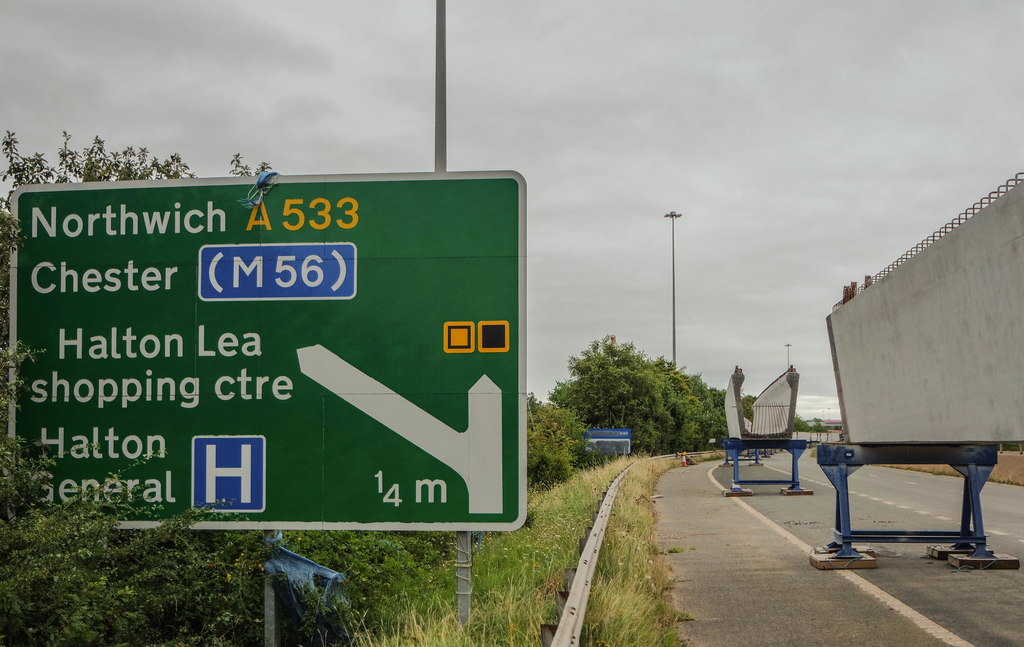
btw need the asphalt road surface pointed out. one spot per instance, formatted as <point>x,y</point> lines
<point>742,569</point>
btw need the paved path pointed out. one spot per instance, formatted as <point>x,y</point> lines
<point>745,580</point>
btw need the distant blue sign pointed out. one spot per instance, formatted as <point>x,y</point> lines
<point>608,433</point>
<point>609,441</point>
<point>229,473</point>
<point>277,272</point>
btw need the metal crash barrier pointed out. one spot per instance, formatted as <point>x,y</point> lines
<point>572,604</point>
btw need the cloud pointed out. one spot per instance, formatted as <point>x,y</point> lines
<point>806,144</point>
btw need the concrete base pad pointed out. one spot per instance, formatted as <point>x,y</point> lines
<point>1001,562</point>
<point>737,493</point>
<point>827,560</point>
<point>788,492</point>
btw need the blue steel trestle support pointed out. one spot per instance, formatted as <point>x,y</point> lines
<point>753,459</point>
<point>733,447</point>
<point>973,462</point>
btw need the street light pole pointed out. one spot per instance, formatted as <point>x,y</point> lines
<point>672,215</point>
<point>787,356</point>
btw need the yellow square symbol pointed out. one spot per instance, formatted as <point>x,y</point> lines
<point>459,337</point>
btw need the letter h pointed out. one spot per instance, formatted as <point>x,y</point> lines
<point>243,472</point>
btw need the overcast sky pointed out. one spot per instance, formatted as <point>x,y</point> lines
<point>806,143</point>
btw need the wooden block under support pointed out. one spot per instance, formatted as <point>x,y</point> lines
<point>945,552</point>
<point>827,561</point>
<point>863,550</point>
<point>786,491</point>
<point>999,562</point>
<point>737,493</point>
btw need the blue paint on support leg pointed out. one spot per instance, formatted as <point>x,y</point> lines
<point>795,453</point>
<point>843,536</point>
<point>975,477</point>
<point>734,454</point>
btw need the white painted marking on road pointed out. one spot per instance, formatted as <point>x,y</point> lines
<point>888,503</point>
<point>910,482</point>
<point>931,627</point>
<point>943,518</point>
<point>997,532</point>
<point>903,507</point>
<point>874,498</point>
<point>922,512</point>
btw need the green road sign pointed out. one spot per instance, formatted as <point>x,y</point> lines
<point>350,353</point>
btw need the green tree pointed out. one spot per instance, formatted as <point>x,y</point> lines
<point>94,163</point>
<point>68,575</point>
<point>748,406</point>
<point>616,385</point>
<point>713,424</point>
<point>554,443</point>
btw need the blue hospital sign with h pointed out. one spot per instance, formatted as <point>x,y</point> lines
<point>228,473</point>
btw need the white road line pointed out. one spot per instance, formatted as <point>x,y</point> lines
<point>922,512</point>
<point>931,627</point>
<point>943,518</point>
<point>997,532</point>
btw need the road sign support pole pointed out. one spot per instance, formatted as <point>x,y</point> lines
<point>463,538</point>
<point>440,94</point>
<point>463,573</point>
<point>271,606</point>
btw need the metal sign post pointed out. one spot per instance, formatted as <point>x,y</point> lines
<point>271,605</point>
<point>463,539</point>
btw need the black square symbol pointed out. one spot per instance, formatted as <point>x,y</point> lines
<point>494,336</point>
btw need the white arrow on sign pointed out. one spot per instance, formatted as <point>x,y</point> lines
<point>475,454</point>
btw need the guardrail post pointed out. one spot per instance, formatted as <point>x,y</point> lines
<point>560,599</point>
<point>547,634</point>
<point>586,536</point>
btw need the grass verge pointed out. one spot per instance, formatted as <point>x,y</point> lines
<point>627,602</point>
<point>946,470</point>
<point>516,574</point>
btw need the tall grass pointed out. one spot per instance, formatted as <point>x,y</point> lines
<point>627,605</point>
<point>516,575</point>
